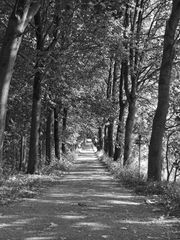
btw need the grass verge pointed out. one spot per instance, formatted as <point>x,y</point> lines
<point>19,186</point>
<point>167,194</point>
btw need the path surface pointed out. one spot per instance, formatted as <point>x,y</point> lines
<point>88,205</point>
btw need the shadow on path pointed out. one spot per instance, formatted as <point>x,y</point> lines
<point>87,204</point>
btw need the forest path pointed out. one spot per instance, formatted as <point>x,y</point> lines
<point>88,204</point>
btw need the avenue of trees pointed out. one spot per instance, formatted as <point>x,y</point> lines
<point>99,69</point>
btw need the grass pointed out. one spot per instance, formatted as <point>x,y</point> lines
<point>167,193</point>
<point>19,186</point>
<point>22,186</point>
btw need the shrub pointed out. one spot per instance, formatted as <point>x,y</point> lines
<point>128,175</point>
<point>169,193</point>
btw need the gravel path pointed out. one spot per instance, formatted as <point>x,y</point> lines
<point>87,205</point>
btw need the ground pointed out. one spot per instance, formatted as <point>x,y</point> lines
<point>88,204</point>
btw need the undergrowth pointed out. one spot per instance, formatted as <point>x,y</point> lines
<point>168,193</point>
<point>19,186</point>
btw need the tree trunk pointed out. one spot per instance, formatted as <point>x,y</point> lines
<point>119,134</point>
<point>111,119</point>
<point>36,106</point>
<point>64,130</point>
<point>49,135</point>
<point>56,133</point>
<point>110,138</point>
<point>128,131</point>
<point>19,19</point>
<point>35,125</point>
<point>100,140</point>
<point>131,68</point>
<point>105,139</point>
<point>22,159</point>
<point>109,82</point>
<point>155,149</point>
<point>120,128</point>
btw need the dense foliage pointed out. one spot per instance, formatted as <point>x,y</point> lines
<point>89,69</point>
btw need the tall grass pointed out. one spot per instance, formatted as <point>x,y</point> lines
<point>168,192</point>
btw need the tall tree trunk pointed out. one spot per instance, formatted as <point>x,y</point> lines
<point>155,149</point>
<point>110,138</point>
<point>56,133</point>
<point>129,130</point>
<point>22,14</point>
<point>120,128</point>
<point>105,139</point>
<point>131,88</point>
<point>100,140</point>
<point>64,130</point>
<point>36,106</point>
<point>35,125</point>
<point>22,159</point>
<point>111,119</point>
<point>49,136</point>
<point>109,82</point>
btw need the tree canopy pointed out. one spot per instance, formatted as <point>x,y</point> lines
<point>71,70</point>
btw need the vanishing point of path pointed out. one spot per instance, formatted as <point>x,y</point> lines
<point>88,204</point>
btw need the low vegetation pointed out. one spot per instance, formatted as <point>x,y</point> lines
<point>166,194</point>
<point>19,186</point>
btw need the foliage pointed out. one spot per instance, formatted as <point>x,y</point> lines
<point>20,186</point>
<point>128,175</point>
<point>75,75</point>
<point>23,186</point>
<point>169,193</point>
<point>57,167</point>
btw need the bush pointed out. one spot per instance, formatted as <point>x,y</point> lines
<point>169,193</point>
<point>127,175</point>
<point>24,186</point>
<point>58,167</point>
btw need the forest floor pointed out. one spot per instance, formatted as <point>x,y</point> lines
<point>87,204</point>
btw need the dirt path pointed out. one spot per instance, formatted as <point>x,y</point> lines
<point>88,205</point>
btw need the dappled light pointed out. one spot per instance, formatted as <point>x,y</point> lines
<point>89,119</point>
<point>88,200</point>
<point>17,223</point>
<point>123,202</point>
<point>160,221</point>
<point>72,217</point>
<point>94,226</point>
<point>39,238</point>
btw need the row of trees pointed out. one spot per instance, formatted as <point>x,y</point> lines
<point>92,69</point>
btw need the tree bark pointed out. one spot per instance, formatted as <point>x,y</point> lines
<point>35,125</point>
<point>36,106</point>
<point>22,159</point>
<point>109,82</point>
<point>129,130</point>
<point>49,135</point>
<point>22,14</point>
<point>155,149</point>
<point>105,139</point>
<point>133,71</point>
<point>111,119</point>
<point>56,133</point>
<point>110,139</point>
<point>64,130</point>
<point>120,128</point>
<point>100,140</point>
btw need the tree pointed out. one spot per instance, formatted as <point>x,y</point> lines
<point>131,68</point>
<point>120,128</point>
<point>22,14</point>
<point>49,135</point>
<point>36,106</point>
<point>59,21</point>
<point>155,149</point>
<point>64,127</point>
